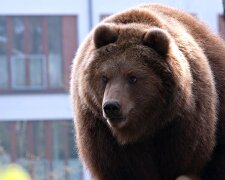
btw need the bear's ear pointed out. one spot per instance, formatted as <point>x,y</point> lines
<point>158,40</point>
<point>104,35</point>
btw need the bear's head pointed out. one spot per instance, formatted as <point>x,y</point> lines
<point>135,80</point>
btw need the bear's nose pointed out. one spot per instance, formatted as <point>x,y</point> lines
<point>112,109</point>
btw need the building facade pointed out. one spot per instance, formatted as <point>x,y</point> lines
<point>36,119</point>
<point>38,41</point>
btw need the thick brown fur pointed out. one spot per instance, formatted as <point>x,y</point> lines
<point>173,116</point>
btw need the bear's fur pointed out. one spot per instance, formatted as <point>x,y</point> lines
<point>165,73</point>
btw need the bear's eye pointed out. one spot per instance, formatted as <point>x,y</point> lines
<point>132,79</point>
<point>104,79</point>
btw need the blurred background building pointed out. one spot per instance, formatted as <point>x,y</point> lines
<point>38,40</point>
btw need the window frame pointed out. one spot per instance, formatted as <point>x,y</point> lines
<point>28,79</point>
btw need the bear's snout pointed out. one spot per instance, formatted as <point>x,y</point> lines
<point>112,112</point>
<point>112,109</point>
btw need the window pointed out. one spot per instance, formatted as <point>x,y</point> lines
<point>43,148</point>
<point>31,52</point>
<point>28,60</point>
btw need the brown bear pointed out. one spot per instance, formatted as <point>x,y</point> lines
<point>148,90</point>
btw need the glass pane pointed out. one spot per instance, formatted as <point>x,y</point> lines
<point>3,35</point>
<point>3,57</point>
<point>55,70</point>
<point>36,57</point>
<point>18,35</point>
<point>3,72</point>
<point>40,162</point>
<point>4,143</point>
<point>18,61</point>
<point>35,35</point>
<point>18,71</point>
<point>22,152</point>
<point>21,131</point>
<point>55,131</point>
<point>54,34</point>
<point>39,138</point>
<point>58,163</point>
<point>37,71</point>
<point>72,146</point>
<point>55,57</point>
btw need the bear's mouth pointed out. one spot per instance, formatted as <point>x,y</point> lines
<point>117,122</point>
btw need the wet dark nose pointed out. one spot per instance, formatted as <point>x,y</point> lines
<point>112,109</point>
